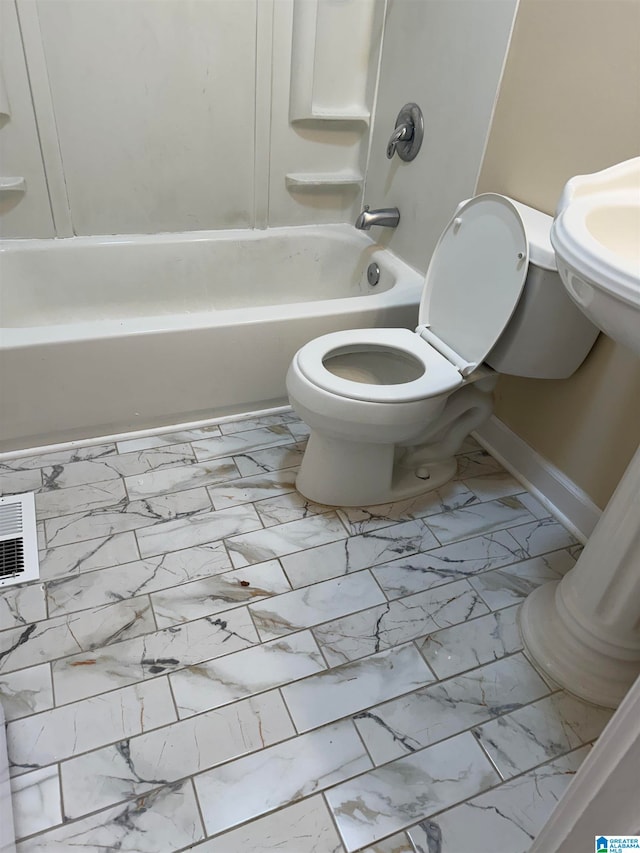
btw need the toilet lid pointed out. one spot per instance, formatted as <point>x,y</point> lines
<point>475,277</point>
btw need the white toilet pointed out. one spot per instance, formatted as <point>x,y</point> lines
<point>389,408</point>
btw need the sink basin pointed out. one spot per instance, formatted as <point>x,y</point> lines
<point>596,238</point>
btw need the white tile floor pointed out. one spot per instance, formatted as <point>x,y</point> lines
<point>214,663</point>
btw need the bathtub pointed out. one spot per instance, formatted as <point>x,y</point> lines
<point>103,335</point>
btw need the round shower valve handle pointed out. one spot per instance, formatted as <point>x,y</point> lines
<point>407,135</point>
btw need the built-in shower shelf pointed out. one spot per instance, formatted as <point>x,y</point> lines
<point>319,180</point>
<point>13,185</point>
<point>330,114</point>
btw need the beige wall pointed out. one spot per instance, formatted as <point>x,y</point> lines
<point>570,104</point>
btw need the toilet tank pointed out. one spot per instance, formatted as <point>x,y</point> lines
<point>547,337</point>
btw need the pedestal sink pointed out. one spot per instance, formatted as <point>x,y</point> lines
<point>584,631</point>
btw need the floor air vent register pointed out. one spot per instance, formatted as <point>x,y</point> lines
<point>18,540</point>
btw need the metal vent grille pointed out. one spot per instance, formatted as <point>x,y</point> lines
<point>11,558</point>
<point>18,540</point>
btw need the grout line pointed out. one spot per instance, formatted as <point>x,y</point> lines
<point>254,645</point>
<point>200,813</point>
<point>321,650</point>
<point>332,818</point>
<point>243,823</point>
<point>69,614</point>
<point>255,628</point>
<point>297,733</point>
<point>363,742</point>
<point>494,764</point>
<point>62,812</point>
<point>153,613</point>
<point>175,703</point>
<point>415,642</point>
<point>367,533</point>
<point>53,691</point>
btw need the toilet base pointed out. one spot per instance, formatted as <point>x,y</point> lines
<point>347,473</point>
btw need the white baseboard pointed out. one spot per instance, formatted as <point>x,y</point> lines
<point>568,502</point>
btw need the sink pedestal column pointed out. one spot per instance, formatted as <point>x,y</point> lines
<point>584,631</point>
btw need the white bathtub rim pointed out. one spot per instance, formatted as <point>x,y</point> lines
<point>341,230</point>
<point>165,429</point>
<point>403,293</point>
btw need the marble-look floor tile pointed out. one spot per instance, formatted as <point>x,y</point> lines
<point>478,519</point>
<point>91,589</point>
<point>79,632</point>
<point>541,536</point>
<point>256,488</point>
<point>16,482</point>
<point>278,776</point>
<point>166,819</point>
<point>42,539</point>
<point>26,692</point>
<point>271,459</point>
<point>166,439</point>
<point>36,801</point>
<point>448,563</point>
<point>489,487</point>
<point>136,765</point>
<point>58,457</point>
<point>385,590</point>
<point>540,732</point>
<point>473,643</point>
<point>165,480</point>
<point>344,690</point>
<point>266,544</point>
<point>399,843</point>
<point>312,605</point>
<point>358,552</point>
<point>212,594</point>
<point>511,585</point>
<point>128,515</point>
<point>242,442</point>
<point>83,675</point>
<point>288,507</point>
<point>441,710</point>
<point>199,528</point>
<point>58,502</point>
<point>505,819</point>
<point>115,466</point>
<point>397,621</point>
<point>453,495</point>
<point>258,422</point>
<point>478,463</point>
<point>211,684</point>
<point>21,605</point>
<point>90,554</point>
<point>305,827</point>
<point>299,430</point>
<point>408,790</point>
<point>66,731</point>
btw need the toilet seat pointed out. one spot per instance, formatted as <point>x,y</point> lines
<point>485,243</point>
<point>439,375</point>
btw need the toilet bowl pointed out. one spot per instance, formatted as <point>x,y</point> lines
<point>389,408</point>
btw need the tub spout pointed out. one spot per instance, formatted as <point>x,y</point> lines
<point>387,216</point>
